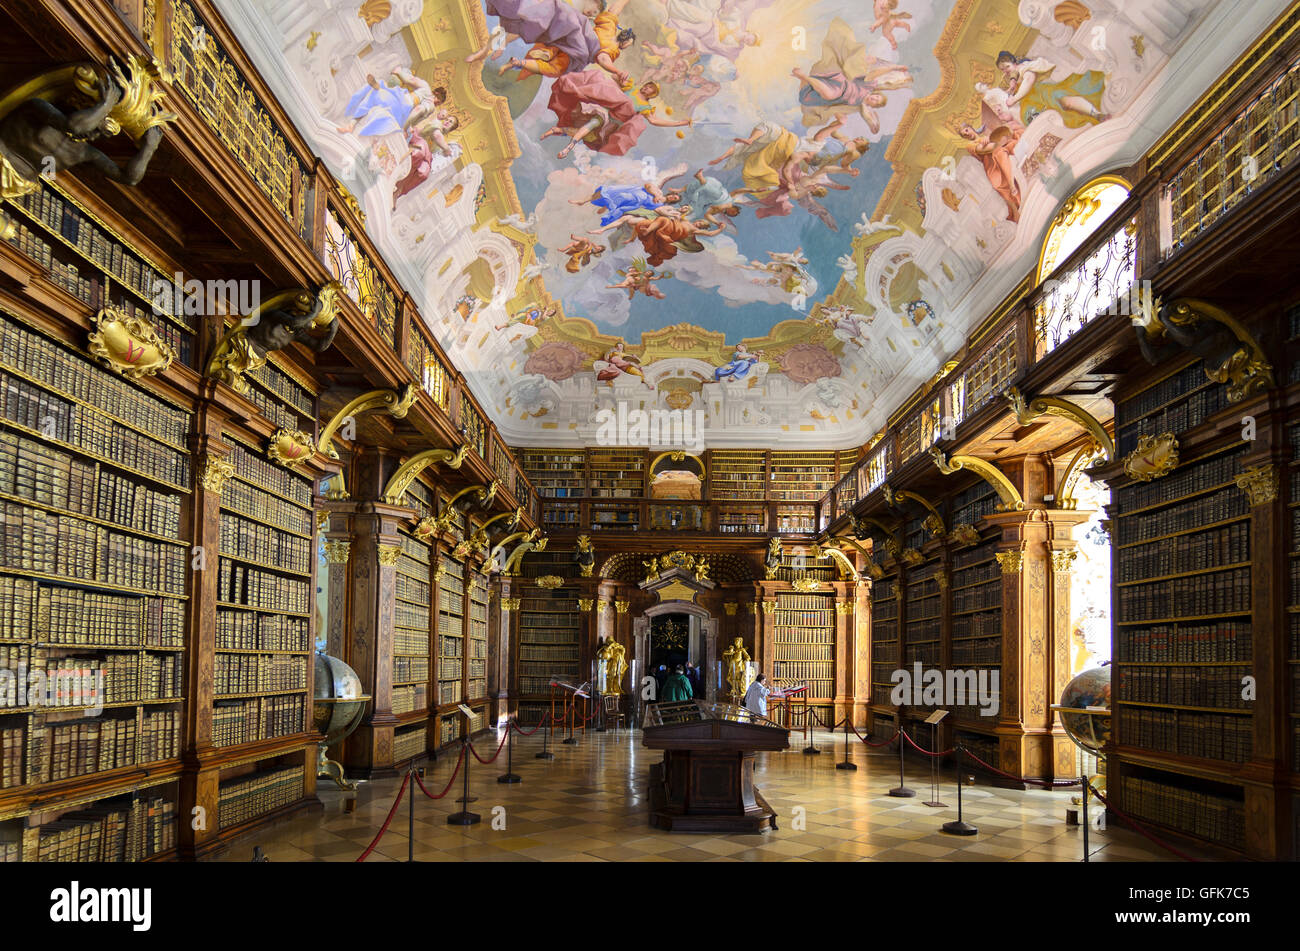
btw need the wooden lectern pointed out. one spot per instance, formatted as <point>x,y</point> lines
<point>706,780</point>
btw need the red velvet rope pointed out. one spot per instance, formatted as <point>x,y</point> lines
<point>1053,784</point>
<point>515,726</point>
<point>459,760</point>
<point>391,812</point>
<point>494,755</point>
<point>1132,824</point>
<point>868,742</point>
<point>926,752</point>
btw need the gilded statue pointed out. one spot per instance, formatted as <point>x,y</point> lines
<point>614,655</point>
<point>702,569</point>
<point>651,568</point>
<point>772,562</point>
<point>300,315</point>
<point>736,659</point>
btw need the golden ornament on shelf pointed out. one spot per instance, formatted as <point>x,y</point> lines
<point>129,344</point>
<point>388,555</point>
<point>337,551</point>
<point>214,471</point>
<point>803,583</point>
<point>290,447</point>
<point>1155,456</point>
<point>964,534</point>
<point>1259,483</point>
<point>549,581</point>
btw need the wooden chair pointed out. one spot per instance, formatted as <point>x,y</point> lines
<point>613,711</point>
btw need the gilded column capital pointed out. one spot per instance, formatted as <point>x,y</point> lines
<point>586,604</point>
<point>730,607</point>
<point>843,607</point>
<point>621,606</point>
<point>214,471</point>
<point>1010,562</point>
<point>510,604</point>
<point>769,607</point>
<point>388,554</point>
<point>1063,561</point>
<point>1259,483</point>
<point>337,551</point>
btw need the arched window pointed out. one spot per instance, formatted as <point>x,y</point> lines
<point>1100,283</point>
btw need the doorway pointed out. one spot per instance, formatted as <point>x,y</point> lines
<point>670,640</point>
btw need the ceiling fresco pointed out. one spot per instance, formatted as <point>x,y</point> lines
<point>777,213</point>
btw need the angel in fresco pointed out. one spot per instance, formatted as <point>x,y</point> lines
<point>786,270</point>
<point>1077,98</point>
<point>847,80</point>
<point>590,108</point>
<point>639,277</point>
<point>888,19</point>
<point>671,66</point>
<point>564,38</point>
<point>421,155</point>
<point>846,324</point>
<point>664,231</point>
<point>617,362</point>
<point>618,200</point>
<point>707,193</point>
<point>529,317</point>
<point>742,361</point>
<point>581,252</point>
<point>717,27</point>
<point>997,110</point>
<point>697,88</point>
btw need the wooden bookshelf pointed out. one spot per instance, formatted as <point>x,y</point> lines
<point>548,627</point>
<point>886,656</point>
<point>615,516</point>
<point>737,475</point>
<point>556,475</point>
<point>412,620</point>
<point>1293,589</point>
<point>477,657</point>
<point>451,632</point>
<point>801,476</point>
<point>742,519</point>
<point>976,629</point>
<point>796,519</point>
<point>803,631</point>
<point>924,608</point>
<point>617,473</point>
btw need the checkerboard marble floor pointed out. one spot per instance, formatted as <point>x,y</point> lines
<point>589,805</point>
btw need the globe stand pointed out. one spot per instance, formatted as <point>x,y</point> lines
<point>957,826</point>
<point>465,817</point>
<point>901,791</point>
<point>510,777</point>
<point>846,764</point>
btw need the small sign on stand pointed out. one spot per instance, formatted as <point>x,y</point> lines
<point>934,719</point>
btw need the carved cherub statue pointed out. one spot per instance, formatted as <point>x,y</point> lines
<point>651,568</point>
<point>701,569</point>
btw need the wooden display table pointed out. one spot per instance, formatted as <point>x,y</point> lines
<point>706,780</point>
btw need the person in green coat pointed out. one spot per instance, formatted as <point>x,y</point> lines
<point>676,687</point>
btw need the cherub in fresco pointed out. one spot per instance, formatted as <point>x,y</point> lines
<point>710,26</point>
<point>378,109</point>
<point>888,19</point>
<point>786,270</point>
<point>671,66</point>
<point>617,362</point>
<point>664,231</point>
<point>701,89</point>
<point>846,80</point>
<point>996,109</point>
<point>639,277</point>
<point>581,252</point>
<point>1077,98</point>
<point>590,108</point>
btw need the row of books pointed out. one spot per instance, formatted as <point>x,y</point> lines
<point>784,630</point>
<point>1192,514</point>
<point>1186,643</point>
<point>58,751</point>
<point>132,505</point>
<point>409,743</point>
<point>32,678</point>
<point>983,652</point>
<point>413,550</point>
<point>983,573</point>
<point>477,668</point>
<point>1174,418</point>
<point>452,604</point>
<point>63,218</point>
<point>67,372</point>
<point>411,591</point>
<point>1202,814</point>
<point>982,556</point>
<point>477,647</point>
<point>555,634</point>
<point>986,597</point>
<point>411,641</point>
<point>1208,473</point>
<point>881,671</point>
<point>787,650</point>
<point>452,625</point>
<point>449,691</point>
<point>247,499</point>
<point>258,673</point>
<point>410,698</point>
<point>448,729</point>
<point>533,681</point>
<point>410,669</point>
<point>128,832</point>
<point>53,417</point>
<point>266,475</point>
<point>52,614</point>
<point>1223,592</point>
<point>1185,381</point>
<point>884,630</point>
<point>805,670</point>
<point>928,655</point>
<point>450,646</point>
<point>68,547</point>
<point>240,800</point>
<point>563,624</point>
<point>413,617</point>
<point>241,538</point>
<point>922,629</point>
<point>246,630</point>
<point>476,687</point>
<point>1185,686</point>
<point>253,587</point>
<point>1227,545</point>
<point>271,408</point>
<point>285,387</point>
<point>235,722</point>
<point>796,524</point>
<point>1208,735</point>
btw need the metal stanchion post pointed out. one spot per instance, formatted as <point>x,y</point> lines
<point>510,776</point>
<point>901,792</point>
<point>573,715</point>
<point>846,764</point>
<point>465,817</point>
<point>546,738</point>
<point>934,770</point>
<point>958,826</point>
<point>410,813</point>
<point>811,748</point>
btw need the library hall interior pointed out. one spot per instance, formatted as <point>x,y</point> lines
<point>649,431</point>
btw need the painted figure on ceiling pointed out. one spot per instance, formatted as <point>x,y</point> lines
<point>1077,98</point>
<point>616,200</point>
<point>421,156</point>
<point>590,108</point>
<point>378,109</point>
<point>847,80</point>
<point>565,38</point>
<point>638,277</point>
<point>993,150</point>
<point>581,252</point>
<point>716,27</point>
<point>708,194</point>
<point>888,19</point>
<point>663,232</point>
<point>617,362</point>
<point>742,361</point>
